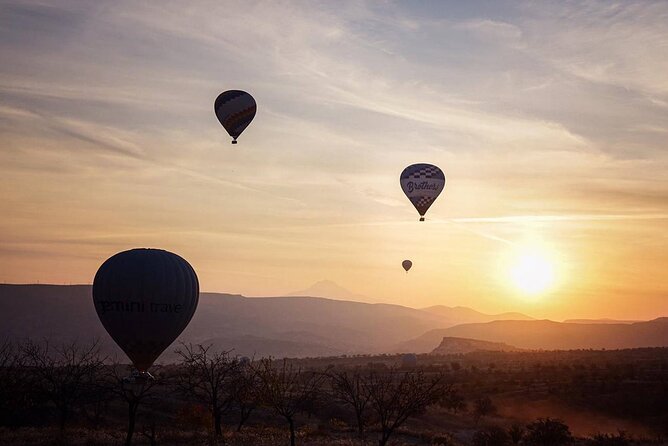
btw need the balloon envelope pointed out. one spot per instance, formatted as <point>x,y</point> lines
<point>145,298</point>
<point>407,264</point>
<point>235,109</point>
<point>422,184</point>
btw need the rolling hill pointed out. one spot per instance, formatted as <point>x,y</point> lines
<point>550,335</point>
<point>279,326</point>
<point>465,315</point>
<point>295,326</point>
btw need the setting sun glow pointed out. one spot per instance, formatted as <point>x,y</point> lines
<point>532,273</point>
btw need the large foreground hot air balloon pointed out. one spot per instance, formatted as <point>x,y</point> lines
<point>145,298</point>
<point>235,109</point>
<point>406,264</point>
<point>422,183</point>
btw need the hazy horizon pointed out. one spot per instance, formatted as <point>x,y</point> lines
<point>549,120</point>
<point>358,298</point>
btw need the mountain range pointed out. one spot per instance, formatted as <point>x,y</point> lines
<point>331,290</point>
<point>300,326</point>
<point>292,326</point>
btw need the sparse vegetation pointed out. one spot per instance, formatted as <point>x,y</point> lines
<point>67,394</point>
<point>351,388</point>
<point>483,407</point>
<point>492,436</point>
<point>619,439</point>
<point>547,432</point>
<point>66,376</point>
<point>395,396</point>
<point>288,390</point>
<point>132,390</point>
<point>207,379</point>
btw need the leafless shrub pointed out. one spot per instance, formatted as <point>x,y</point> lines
<point>349,388</point>
<point>492,436</point>
<point>483,407</point>
<point>63,375</point>
<point>135,390</point>
<point>207,378</point>
<point>547,432</point>
<point>619,439</point>
<point>516,433</point>
<point>287,390</point>
<point>396,396</point>
<point>14,390</point>
<point>245,392</point>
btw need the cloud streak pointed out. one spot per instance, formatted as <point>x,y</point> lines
<point>541,115</point>
<point>560,218</point>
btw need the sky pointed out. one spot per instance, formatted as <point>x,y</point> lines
<point>549,119</point>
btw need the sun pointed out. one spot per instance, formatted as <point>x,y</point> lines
<point>532,272</point>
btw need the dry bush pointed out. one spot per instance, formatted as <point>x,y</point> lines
<point>65,375</point>
<point>207,378</point>
<point>350,388</point>
<point>288,390</point>
<point>396,396</point>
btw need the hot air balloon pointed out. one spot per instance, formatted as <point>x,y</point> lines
<point>407,264</point>
<point>422,183</point>
<point>235,109</point>
<point>145,298</point>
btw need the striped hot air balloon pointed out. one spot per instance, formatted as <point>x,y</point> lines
<point>422,184</point>
<point>235,109</point>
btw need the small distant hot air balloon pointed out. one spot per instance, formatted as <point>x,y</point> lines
<point>235,109</point>
<point>422,184</point>
<point>409,360</point>
<point>145,298</point>
<point>407,264</point>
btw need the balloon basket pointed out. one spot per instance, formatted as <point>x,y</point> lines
<point>421,218</point>
<point>138,377</point>
<point>234,142</point>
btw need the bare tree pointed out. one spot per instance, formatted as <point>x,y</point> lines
<point>135,390</point>
<point>516,432</point>
<point>453,400</point>
<point>492,436</point>
<point>208,378</point>
<point>245,393</point>
<point>395,396</point>
<point>547,432</point>
<point>96,403</point>
<point>482,408</point>
<point>64,374</point>
<point>619,439</point>
<point>349,388</point>
<point>287,390</point>
<point>14,385</point>
<point>148,431</point>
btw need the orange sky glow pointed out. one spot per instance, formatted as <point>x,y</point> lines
<point>551,130</point>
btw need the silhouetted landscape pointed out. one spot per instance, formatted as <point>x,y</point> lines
<point>275,326</point>
<point>298,327</point>
<point>594,383</point>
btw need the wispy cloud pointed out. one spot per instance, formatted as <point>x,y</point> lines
<point>559,218</point>
<point>541,115</point>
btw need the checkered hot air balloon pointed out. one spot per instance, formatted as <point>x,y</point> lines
<point>422,184</point>
<point>235,109</point>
